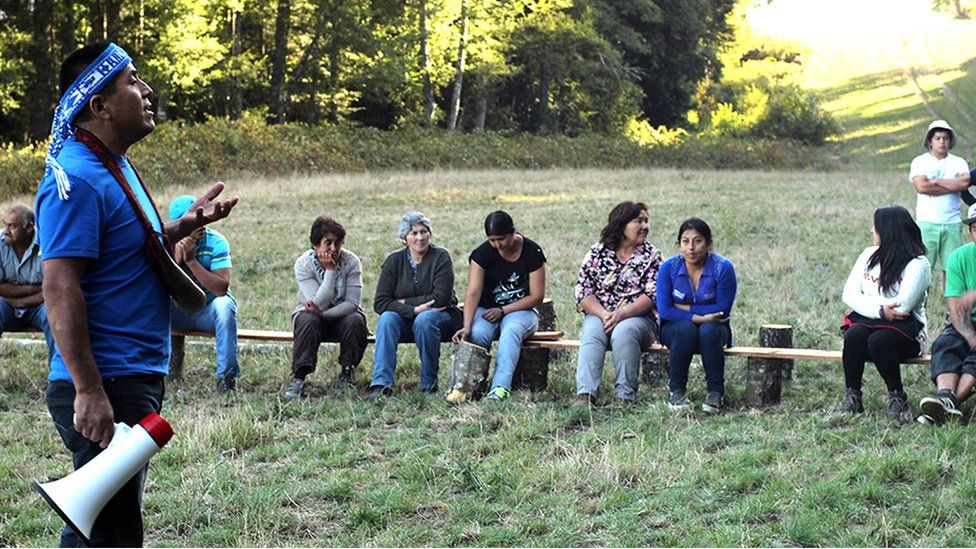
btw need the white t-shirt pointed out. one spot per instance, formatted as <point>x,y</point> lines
<point>938,209</point>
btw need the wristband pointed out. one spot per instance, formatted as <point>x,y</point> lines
<point>502,309</point>
<point>881,313</point>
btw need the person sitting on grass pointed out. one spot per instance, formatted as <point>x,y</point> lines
<point>886,290</point>
<point>506,280</point>
<point>615,290</point>
<point>695,292</point>
<point>330,286</point>
<point>416,302</point>
<point>206,254</point>
<point>954,351</point>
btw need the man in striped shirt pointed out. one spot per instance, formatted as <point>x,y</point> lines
<point>205,253</point>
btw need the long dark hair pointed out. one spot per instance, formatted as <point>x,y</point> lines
<point>900,241</point>
<point>613,233</point>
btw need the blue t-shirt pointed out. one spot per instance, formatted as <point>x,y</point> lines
<point>715,292</point>
<point>213,254</point>
<point>127,305</point>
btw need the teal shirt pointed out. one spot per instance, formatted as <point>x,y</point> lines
<point>213,253</point>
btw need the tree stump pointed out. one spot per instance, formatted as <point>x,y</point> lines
<point>765,375</point>
<point>532,370</point>
<point>655,368</point>
<point>176,357</point>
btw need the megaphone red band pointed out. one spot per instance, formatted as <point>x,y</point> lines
<point>158,428</point>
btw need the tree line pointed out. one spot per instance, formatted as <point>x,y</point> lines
<point>541,66</point>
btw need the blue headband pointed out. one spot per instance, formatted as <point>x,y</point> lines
<point>76,97</point>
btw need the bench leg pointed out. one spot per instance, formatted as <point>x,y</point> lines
<point>655,369</point>
<point>765,375</point>
<point>765,381</point>
<point>532,370</point>
<point>177,353</point>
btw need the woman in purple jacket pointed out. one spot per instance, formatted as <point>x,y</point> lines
<point>695,291</point>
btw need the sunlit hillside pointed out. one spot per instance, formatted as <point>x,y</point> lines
<point>885,69</point>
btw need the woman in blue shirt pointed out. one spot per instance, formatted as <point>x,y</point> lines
<point>695,291</point>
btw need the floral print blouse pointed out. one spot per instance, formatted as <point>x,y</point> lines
<point>617,284</point>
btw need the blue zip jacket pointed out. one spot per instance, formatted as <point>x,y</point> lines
<point>716,288</point>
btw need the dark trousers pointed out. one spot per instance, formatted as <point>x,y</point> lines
<point>885,347</point>
<point>683,339</point>
<point>132,398</point>
<point>311,330</point>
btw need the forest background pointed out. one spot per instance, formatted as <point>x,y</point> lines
<point>337,85</point>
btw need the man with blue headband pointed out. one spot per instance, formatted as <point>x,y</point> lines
<point>106,297</point>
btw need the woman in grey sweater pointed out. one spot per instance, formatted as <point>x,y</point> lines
<point>416,302</point>
<point>330,285</point>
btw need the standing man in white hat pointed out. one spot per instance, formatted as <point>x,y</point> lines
<point>938,177</point>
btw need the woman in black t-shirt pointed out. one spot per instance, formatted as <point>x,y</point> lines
<point>506,280</point>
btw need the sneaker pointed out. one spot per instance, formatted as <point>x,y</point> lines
<point>497,394</point>
<point>432,389</point>
<point>852,402</point>
<point>296,389</point>
<point>713,403</point>
<point>897,405</point>
<point>925,419</point>
<point>678,401</point>
<point>377,392</point>
<point>940,407</point>
<point>227,384</point>
<point>585,399</point>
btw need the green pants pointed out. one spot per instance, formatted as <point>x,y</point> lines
<point>940,240</point>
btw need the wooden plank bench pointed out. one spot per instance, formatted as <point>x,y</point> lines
<point>767,367</point>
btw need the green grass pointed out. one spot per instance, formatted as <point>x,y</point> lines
<point>254,470</point>
<point>862,72</point>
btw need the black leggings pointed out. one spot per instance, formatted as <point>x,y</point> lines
<point>885,347</point>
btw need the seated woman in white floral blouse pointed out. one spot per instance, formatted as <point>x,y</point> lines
<point>616,290</point>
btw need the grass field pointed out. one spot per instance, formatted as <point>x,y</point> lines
<point>253,470</point>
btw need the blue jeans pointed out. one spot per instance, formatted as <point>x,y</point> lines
<point>17,319</point>
<point>219,317</point>
<point>683,339</point>
<point>427,329</point>
<point>510,331</point>
<point>132,398</point>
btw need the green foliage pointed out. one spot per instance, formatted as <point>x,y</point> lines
<point>793,113</point>
<point>563,66</point>
<point>960,9</point>
<point>185,154</point>
<point>21,168</point>
<point>758,94</point>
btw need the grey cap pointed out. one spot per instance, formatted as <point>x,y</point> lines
<point>939,125</point>
<point>409,220</point>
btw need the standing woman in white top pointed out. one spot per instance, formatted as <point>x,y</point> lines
<point>886,290</point>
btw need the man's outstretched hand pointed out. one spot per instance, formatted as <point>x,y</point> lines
<point>208,209</point>
<point>204,211</point>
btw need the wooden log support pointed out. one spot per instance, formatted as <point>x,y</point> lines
<point>532,370</point>
<point>176,357</point>
<point>764,377</point>
<point>655,369</point>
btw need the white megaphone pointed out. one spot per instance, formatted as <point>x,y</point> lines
<point>80,496</point>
